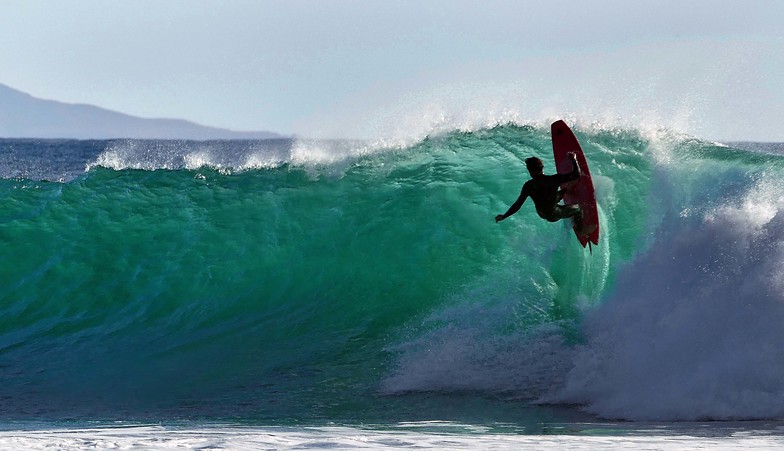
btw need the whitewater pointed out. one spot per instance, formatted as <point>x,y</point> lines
<point>316,291</point>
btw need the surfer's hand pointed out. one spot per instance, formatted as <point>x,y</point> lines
<point>499,218</point>
<point>572,155</point>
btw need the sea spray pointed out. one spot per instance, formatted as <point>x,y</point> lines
<point>693,328</point>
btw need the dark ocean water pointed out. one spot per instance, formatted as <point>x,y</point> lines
<point>292,282</point>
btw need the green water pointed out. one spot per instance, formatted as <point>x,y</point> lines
<point>284,293</point>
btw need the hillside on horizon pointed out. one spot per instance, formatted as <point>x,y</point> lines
<point>25,116</point>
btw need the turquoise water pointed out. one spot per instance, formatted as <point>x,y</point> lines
<point>278,282</point>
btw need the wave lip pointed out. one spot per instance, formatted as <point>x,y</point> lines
<point>173,155</point>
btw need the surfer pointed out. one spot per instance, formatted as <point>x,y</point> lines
<point>543,189</point>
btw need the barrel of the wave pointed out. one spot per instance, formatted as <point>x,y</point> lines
<point>580,191</point>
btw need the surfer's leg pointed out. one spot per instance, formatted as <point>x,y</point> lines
<point>572,211</point>
<point>569,211</point>
<point>561,212</point>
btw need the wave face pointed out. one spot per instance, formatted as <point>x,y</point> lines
<point>305,280</point>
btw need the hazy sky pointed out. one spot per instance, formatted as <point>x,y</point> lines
<point>714,69</point>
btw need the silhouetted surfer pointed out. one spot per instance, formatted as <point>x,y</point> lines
<point>543,189</point>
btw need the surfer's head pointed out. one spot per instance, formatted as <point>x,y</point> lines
<point>534,165</point>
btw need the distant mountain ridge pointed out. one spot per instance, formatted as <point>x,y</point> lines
<point>25,116</point>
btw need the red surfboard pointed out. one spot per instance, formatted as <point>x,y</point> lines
<point>581,190</point>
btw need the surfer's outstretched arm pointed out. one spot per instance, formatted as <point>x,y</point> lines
<point>515,206</point>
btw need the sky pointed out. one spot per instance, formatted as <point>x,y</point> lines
<point>365,69</point>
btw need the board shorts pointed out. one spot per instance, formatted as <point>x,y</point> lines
<point>559,212</point>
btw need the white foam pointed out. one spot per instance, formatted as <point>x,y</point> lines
<point>344,437</point>
<point>694,327</point>
<point>197,160</point>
